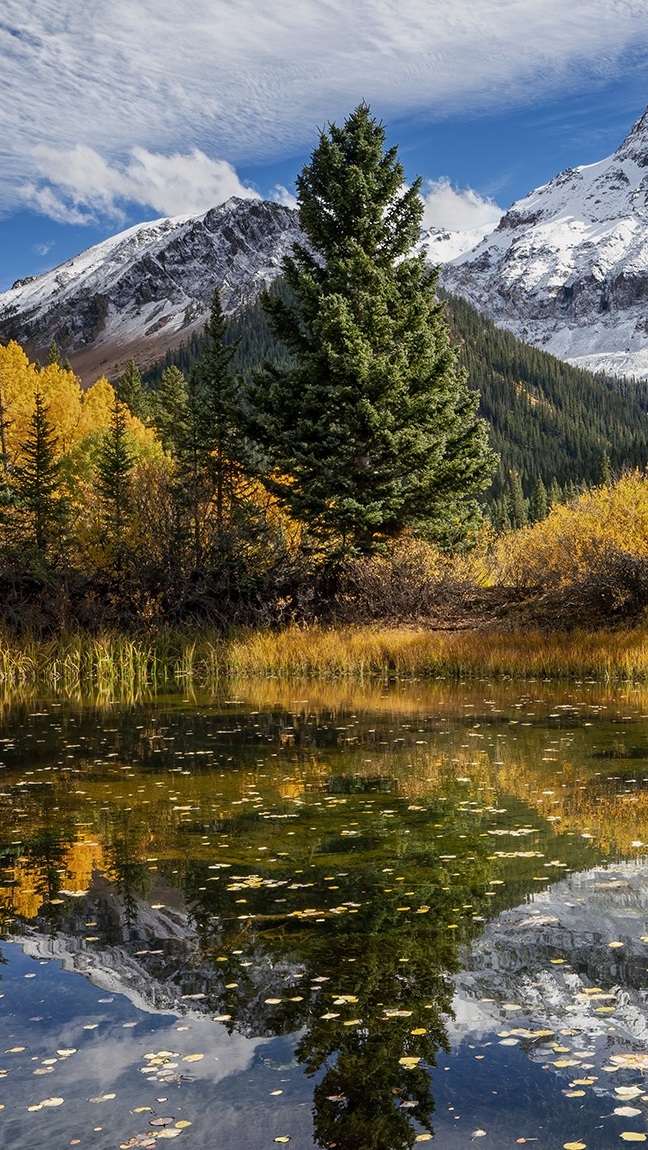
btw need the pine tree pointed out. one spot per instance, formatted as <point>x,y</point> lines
<point>374,429</point>
<point>208,442</point>
<point>54,354</point>
<point>37,480</point>
<point>115,467</point>
<point>539,508</point>
<point>130,390</point>
<point>169,407</point>
<point>555,494</point>
<point>215,395</point>
<point>518,510</point>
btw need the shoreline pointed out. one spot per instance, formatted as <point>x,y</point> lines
<point>326,653</point>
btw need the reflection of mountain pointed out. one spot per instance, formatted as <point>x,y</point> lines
<point>565,976</point>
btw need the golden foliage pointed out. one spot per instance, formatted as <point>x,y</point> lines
<point>572,542</point>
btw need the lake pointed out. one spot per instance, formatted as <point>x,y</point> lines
<point>325,916</point>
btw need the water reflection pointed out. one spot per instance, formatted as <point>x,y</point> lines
<point>316,868</point>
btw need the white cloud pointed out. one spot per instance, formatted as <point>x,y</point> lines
<point>78,186</point>
<point>281,195</point>
<point>136,84</point>
<point>457,209</point>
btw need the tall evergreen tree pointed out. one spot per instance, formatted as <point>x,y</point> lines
<point>539,507</point>
<point>37,481</point>
<point>518,507</point>
<point>216,393</point>
<point>169,407</point>
<point>130,390</point>
<point>374,429</point>
<point>115,467</point>
<point>209,443</point>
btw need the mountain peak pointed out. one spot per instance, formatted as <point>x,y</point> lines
<point>149,288</point>
<point>635,145</point>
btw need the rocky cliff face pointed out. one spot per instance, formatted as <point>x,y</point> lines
<point>150,287</point>
<point>567,267</point>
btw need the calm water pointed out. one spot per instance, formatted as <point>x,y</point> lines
<point>347,919</point>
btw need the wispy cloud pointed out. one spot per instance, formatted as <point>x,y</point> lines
<point>457,209</point>
<point>129,88</point>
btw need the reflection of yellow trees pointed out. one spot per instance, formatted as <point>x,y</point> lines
<point>23,889</point>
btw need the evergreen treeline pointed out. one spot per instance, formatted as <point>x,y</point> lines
<point>548,420</point>
<point>554,427</point>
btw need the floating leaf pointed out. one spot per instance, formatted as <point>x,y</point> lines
<point>627,1111</point>
<point>283,1138</point>
<point>574,1145</point>
<point>193,1057</point>
<point>423,1138</point>
<point>409,1062</point>
<point>633,1136</point>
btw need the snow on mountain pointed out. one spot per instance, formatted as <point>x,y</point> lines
<point>149,288</point>
<point>441,246</point>
<point>567,267</point>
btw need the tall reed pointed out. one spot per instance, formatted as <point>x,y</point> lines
<point>115,663</point>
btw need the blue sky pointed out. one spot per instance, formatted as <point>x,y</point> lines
<point>126,110</point>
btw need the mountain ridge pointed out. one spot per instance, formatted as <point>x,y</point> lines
<point>566,268</point>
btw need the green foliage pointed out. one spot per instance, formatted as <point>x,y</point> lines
<point>373,429</point>
<point>114,472</point>
<point>168,406</point>
<point>548,418</point>
<point>131,391</point>
<point>539,504</point>
<point>37,482</point>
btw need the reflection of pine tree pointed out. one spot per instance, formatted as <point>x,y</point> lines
<point>128,872</point>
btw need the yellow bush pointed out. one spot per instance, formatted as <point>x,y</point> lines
<point>577,538</point>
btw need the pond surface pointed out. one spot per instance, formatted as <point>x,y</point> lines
<point>326,916</point>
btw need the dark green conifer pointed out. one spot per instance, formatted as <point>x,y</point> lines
<point>37,481</point>
<point>169,407</point>
<point>518,507</point>
<point>554,494</point>
<point>130,390</point>
<point>605,477</point>
<point>54,354</point>
<point>374,430</point>
<point>539,507</point>
<point>115,466</point>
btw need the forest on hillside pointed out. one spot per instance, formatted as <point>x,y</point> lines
<point>548,420</point>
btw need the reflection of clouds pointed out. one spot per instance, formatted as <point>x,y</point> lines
<point>538,967</point>
<point>238,1072</point>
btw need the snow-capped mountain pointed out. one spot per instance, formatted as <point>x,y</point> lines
<point>149,288</point>
<point>567,267</point>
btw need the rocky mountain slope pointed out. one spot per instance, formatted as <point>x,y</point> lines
<point>567,267</point>
<point>149,288</point>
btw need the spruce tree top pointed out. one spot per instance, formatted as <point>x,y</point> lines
<point>373,430</point>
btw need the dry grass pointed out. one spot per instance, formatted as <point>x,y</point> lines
<point>367,652</point>
<point>115,663</point>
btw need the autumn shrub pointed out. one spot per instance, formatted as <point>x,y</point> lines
<point>591,553</point>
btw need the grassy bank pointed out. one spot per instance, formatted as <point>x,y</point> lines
<point>114,662</point>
